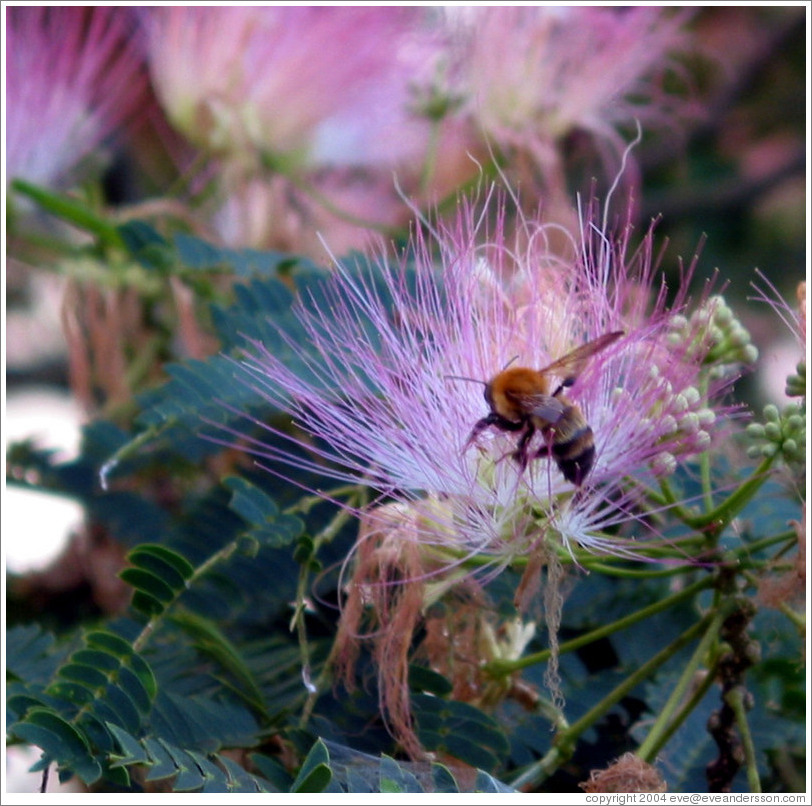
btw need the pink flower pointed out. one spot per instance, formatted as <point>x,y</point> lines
<point>533,75</point>
<point>380,395</point>
<point>74,78</point>
<point>262,81</point>
<point>380,349</point>
<point>342,207</point>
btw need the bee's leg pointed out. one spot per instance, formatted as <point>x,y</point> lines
<point>493,419</point>
<point>567,382</point>
<point>520,454</point>
<point>547,448</point>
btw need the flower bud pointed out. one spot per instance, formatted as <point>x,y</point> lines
<point>664,464</point>
<point>771,412</point>
<point>772,431</point>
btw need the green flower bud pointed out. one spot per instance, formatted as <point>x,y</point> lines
<point>789,446</point>
<point>772,431</point>
<point>771,412</point>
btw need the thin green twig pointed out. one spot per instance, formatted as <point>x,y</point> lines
<point>298,621</point>
<point>687,708</point>
<point>564,742</point>
<point>662,726</point>
<point>501,668</point>
<point>736,700</point>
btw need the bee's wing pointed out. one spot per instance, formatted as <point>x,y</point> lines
<point>545,406</point>
<point>570,366</point>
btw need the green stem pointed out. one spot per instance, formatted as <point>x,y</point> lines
<point>564,742</point>
<point>502,668</point>
<point>430,163</point>
<point>307,502</point>
<point>789,536</point>
<point>69,210</point>
<point>720,516</point>
<point>705,475</point>
<point>218,557</point>
<point>724,513</point>
<point>798,619</point>
<point>182,184</point>
<point>669,499</point>
<point>678,548</point>
<point>705,456</point>
<point>579,557</point>
<point>662,726</point>
<point>735,699</point>
<point>298,620</point>
<point>648,668</point>
<point>631,573</point>
<point>128,449</point>
<point>699,692</point>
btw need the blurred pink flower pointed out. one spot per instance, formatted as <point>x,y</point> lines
<point>281,83</point>
<point>533,75</point>
<point>74,77</point>
<point>343,208</point>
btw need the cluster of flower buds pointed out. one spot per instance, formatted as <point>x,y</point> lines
<point>680,417</point>
<point>796,383</point>
<point>714,332</point>
<point>783,430</point>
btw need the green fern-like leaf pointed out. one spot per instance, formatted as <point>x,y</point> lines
<point>147,245</point>
<point>158,575</point>
<point>219,393</point>
<point>394,778</point>
<point>459,730</point>
<point>32,654</point>
<point>209,639</point>
<point>315,774</point>
<point>200,255</point>
<point>190,770</point>
<point>353,771</point>
<point>203,721</point>
<point>103,682</point>
<point>61,742</point>
<point>258,509</point>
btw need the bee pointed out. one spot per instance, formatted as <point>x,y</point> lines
<point>520,401</point>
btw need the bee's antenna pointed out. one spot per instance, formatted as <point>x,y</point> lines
<point>463,378</point>
<point>515,358</point>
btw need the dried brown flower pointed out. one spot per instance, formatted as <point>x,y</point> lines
<point>628,774</point>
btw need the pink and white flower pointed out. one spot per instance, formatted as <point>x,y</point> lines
<point>379,398</point>
<point>381,346</point>
<point>532,75</point>
<point>276,83</point>
<point>74,77</point>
